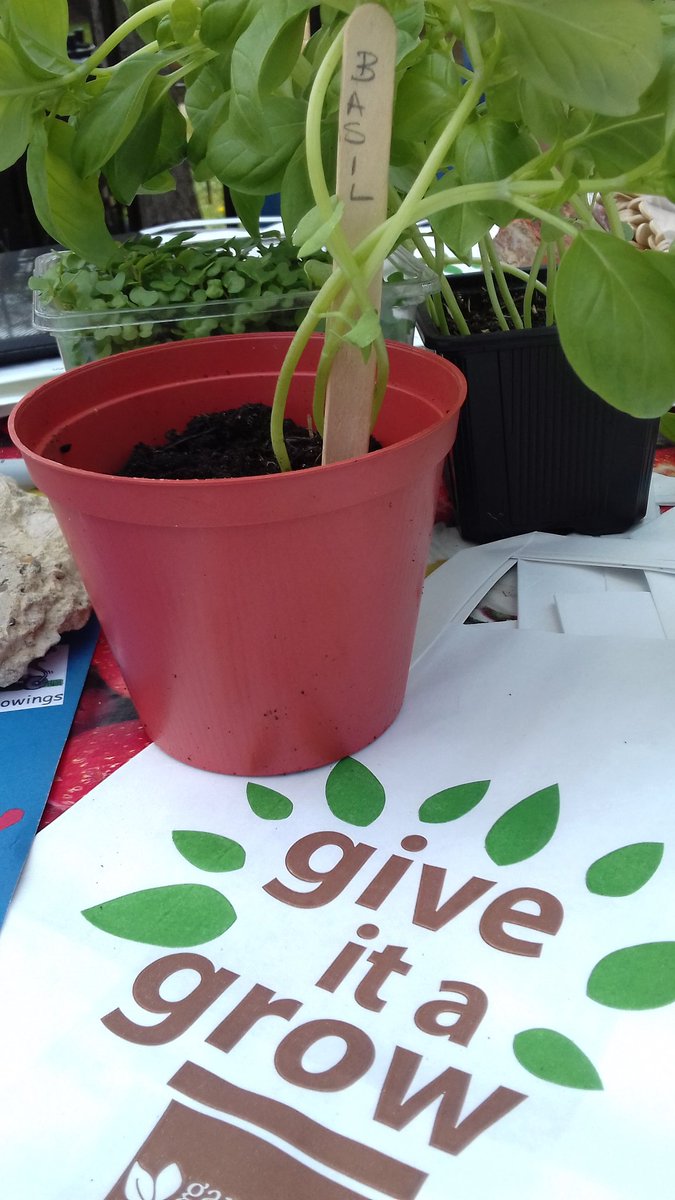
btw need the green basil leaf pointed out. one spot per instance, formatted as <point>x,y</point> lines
<point>68,207</point>
<point>365,331</point>
<point>16,120</point>
<point>252,149</point>
<point>38,32</point>
<point>266,53</point>
<point>545,116</point>
<point>109,119</point>
<point>314,229</point>
<point>426,96</point>
<point>184,16</point>
<point>15,75</point>
<point>223,22</point>
<point>162,182</point>
<point>618,144</point>
<point>599,56</point>
<point>461,226</point>
<point>611,299</point>
<point>489,150</point>
<point>129,167</point>
<point>296,193</point>
<point>207,103</point>
<point>248,208</point>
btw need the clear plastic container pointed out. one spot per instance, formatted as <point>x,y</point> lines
<point>87,336</point>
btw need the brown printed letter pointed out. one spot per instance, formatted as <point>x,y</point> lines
<point>180,1014</point>
<point>449,1133</point>
<point>331,881</point>
<point>503,912</point>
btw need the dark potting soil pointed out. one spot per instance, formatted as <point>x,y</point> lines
<point>480,315</point>
<point>225,445</point>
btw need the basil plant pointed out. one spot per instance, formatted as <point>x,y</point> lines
<point>538,109</point>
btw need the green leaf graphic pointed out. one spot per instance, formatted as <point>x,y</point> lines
<point>553,1057</point>
<point>268,804</point>
<point>353,793</point>
<point>636,977</point>
<point>209,851</point>
<point>624,871</point>
<point>182,914</point>
<point>525,829</point>
<point>453,802</point>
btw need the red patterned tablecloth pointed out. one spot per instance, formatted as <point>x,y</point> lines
<point>105,734</point>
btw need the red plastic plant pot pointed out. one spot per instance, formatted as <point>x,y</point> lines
<point>263,625</point>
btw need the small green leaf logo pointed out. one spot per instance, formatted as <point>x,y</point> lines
<point>636,977</point>
<point>209,851</point>
<point>453,802</point>
<point>554,1058</point>
<point>624,871</point>
<point>267,804</point>
<point>525,829</point>
<point>353,793</point>
<point>182,914</point>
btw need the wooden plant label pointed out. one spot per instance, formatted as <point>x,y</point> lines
<point>366,101</point>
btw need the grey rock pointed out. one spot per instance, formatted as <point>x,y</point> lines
<point>41,593</point>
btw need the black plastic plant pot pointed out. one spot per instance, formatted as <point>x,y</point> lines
<point>535,449</point>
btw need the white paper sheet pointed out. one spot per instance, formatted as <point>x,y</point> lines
<point>453,591</point>
<point>662,589</point>
<point>645,553</point>
<point>538,583</point>
<point>585,720</point>
<point>660,530</point>
<point>609,614</point>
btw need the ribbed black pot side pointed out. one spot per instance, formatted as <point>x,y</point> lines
<point>535,449</point>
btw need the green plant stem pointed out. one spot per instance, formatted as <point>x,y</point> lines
<point>551,276</point>
<point>532,283</point>
<point>548,218</point>
<point>471,39</point>
<point>613,218</point>
<point>526,276</point>
<point>490,285</point>
<point>437,263</point>
<point>320,305</point>
<point>148,48</point>
<point>158,8</point>
<point>498,272</point>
